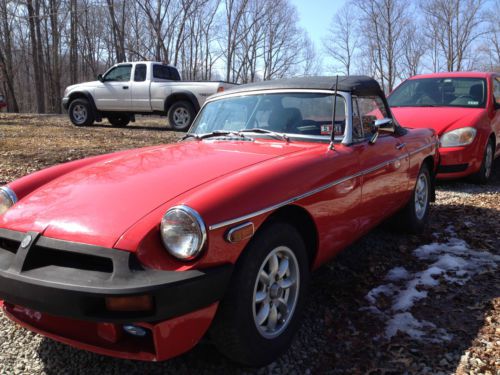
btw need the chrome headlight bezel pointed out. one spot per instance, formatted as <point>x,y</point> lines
<point>453,137</point>
<point>198,227</point>
<point>7,198</point>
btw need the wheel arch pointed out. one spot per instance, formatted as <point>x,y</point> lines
<point>180,96</point>
<point>492,138</point>
<point>430,162</point>
<point>83,95</point>
<point>302,221</point>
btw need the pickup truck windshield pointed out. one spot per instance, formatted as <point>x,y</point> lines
<point>440,92</point>
<point>306,114</point>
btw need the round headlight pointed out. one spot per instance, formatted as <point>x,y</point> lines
<point>458,137</point>
<point>183,232</point>
<point>7,198</point>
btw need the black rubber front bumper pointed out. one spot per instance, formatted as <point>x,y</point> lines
<point>65,103</point>
<point>72,280</point>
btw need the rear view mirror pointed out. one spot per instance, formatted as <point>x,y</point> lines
<point>497,105</point>
<point>384,125</point>
<point>99,77</point>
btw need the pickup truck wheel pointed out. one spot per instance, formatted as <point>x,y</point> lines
<point>119,121</point>
<point>259,315</point>
<point>484,174</point>
<point>416,212</point>
<point>81,113</point>
<point>181,115</point>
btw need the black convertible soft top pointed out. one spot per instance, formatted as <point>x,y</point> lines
<point>357,85</point>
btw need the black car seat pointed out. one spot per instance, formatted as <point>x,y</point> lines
<point>286,120</point>
<point>476,92</point>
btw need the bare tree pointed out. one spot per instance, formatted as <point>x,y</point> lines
<point>118,27</point>
<point>413,51</point>
<point>6,56</point>
<point>382,22</point>
<point>37,53</point>
<point>455,25</point>
<point>343,39</point>
<point>73,51</point>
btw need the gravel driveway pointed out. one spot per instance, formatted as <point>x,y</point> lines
<point>389,304</point>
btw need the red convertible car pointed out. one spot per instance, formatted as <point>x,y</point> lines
<point>464,109</point>
<point>138,254</point>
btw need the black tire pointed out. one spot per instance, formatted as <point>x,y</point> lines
<point>484,174</point>
<point>81,113</point>
<point>235,329</point>
<point>415,214</point>
<point>119,120</point>
<point>181,115</point>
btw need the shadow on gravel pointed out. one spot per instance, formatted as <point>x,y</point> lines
<point>337,335</point>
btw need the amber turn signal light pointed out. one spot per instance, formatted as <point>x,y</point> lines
<point>220,89</point>
<point>240,233</point>
<point>129,303</point>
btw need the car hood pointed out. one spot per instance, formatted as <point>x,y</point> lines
<point>97,203</point>
<point>83,85</point>
<point>438,118</point>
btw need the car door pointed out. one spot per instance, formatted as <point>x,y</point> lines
<point>140,95</point>
<point>113,92</point>
<point>495,122</point>
<point>383,164</point>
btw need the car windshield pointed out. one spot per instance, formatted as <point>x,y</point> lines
<point>296,114</point>
<point>440,92</point>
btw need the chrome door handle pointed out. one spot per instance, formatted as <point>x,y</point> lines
<point>400,146</point>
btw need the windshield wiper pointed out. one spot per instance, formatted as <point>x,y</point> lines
<point>215,133</point>
<point>265,131</point>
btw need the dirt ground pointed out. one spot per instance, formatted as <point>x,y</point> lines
<point>344,330</point>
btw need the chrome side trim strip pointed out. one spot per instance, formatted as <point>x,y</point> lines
<point>312,192</point>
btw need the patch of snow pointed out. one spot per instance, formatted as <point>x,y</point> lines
<point>452,261</point>
<point>397,274</point>
<point>387,290</point>
<point>407,296</point>
<point>406,322</point>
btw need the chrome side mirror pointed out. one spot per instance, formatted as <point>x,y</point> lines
<point>384,125</point>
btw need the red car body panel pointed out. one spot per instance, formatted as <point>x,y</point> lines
<point>65,208</point>
<point>109,339</point>
<point>444,119</point>
<point>117,201</point>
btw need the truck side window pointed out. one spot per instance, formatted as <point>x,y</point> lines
<point>174,74</point>
<point>140,73</point>
<point>120,73</point>
<point>165,72</point>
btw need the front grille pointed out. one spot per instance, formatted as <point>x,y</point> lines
<point>44,253</point>
<point>40,257</point>
<point>9,245</point>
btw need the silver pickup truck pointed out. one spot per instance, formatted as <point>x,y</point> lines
<point>141,87</point>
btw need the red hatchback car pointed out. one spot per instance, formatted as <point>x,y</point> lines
<point>137,254</point>
<point>464,109</point>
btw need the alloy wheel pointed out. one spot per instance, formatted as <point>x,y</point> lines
<point>421,196</point>
<point>276,292</point>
